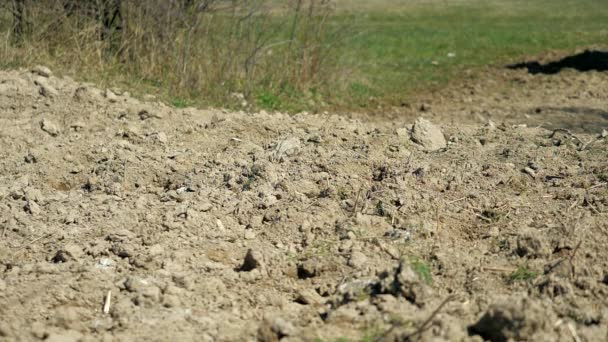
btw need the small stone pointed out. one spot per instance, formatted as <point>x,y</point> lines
<point>428,135</point>
<point>43,71</point>
<point>171,301</point>
<point>530,245</point>
<point>529,171</point>
<point>33,194</point>
<point>122,235</point>
<point>357,260</point>
<point>156,250</point>
<point>104,263</point>
<point>123,250</point>
<point>402,132</point>
<point>308,297</point>
<point>162,137</point>
<point>135,284</point>
<point>315,138</point>
<point>604,134</point>
<point>183,281</point>
<point>220,225</point>
<point>286,148</point>
<point>38,330</point>
<point>309,269</point>
<point>253,260</point>
<point>152,292</point>
<point>70,252</point>
<point>49,127</point>
<point>111,96</point>
<point>256,221</point>
<point>283,328</point>
<point>46,89</point>
<point>77,126</point>
<point>30,158</point>
<point>33,208</point>
<point>204,206</point>
<point>249,234</point>
<point>145,114</point>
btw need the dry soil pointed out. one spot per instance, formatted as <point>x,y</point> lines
<point>210,225</point>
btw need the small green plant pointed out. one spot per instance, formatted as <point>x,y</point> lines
<point>179,103</point>
<point>523,273</point>
<point>268,101</point>
<point>422,269</point>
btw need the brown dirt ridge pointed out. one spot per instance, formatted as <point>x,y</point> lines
<point>125,219</point>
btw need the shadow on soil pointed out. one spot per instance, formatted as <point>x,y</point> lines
<point>577,119</point>
<point>586,61</point>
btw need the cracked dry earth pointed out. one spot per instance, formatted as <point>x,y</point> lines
<point>210,225</point>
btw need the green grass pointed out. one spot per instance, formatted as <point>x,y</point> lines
<point>522,273</point>
<point>179,103</point>
<point>422,269</point>
<point>393,56</point>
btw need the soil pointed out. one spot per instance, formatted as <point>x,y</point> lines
<point>125,219</point>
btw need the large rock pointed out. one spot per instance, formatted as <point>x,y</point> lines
<point>428,135</point>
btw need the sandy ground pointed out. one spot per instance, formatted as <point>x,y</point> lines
<point>215,226</point>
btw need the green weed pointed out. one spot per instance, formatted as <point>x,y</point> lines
<point>523,273</point>
<point>422,269</point>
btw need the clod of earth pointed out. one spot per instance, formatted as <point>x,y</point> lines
<point>428,135</point>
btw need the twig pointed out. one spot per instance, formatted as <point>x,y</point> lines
<point>437,219</point>
<point>312,203</point>
<point>499,269</point>
<point>357,199</point>
<point>571,259</point>
<point>457,200</point>
<point>108,301</point>
<point>572,330</point>
<point>482,217</point>
<point>31,241</point>
<point>599,185</point>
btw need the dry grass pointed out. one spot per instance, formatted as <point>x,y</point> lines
<point>254,48</point>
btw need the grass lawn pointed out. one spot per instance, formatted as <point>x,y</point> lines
<point>417,45</point>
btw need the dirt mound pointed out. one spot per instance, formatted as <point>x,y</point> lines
<point>124,219</point>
